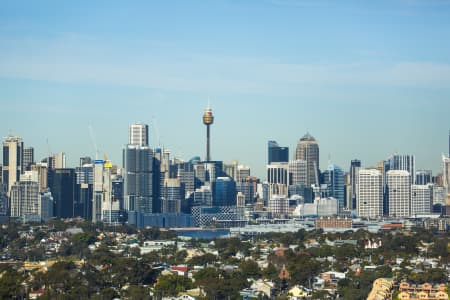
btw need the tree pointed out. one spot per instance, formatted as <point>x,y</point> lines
<point>172,285</point>
<point>250,268</point>
<point>11,284</point>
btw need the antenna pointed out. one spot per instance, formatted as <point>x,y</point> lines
<point>158,137</point>
<point>93,140</point>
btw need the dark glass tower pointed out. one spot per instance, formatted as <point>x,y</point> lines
<point>62,185</point>
<point>277,153</point>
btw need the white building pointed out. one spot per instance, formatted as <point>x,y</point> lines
<point>421,199</point>
<point>446,172</point>
<point>12,161</point>
<point>370,193</point>
<point>439,195</point>
<point>279,206</point>
<point>398,191</point>
<point>138,134</point>
<point>297,172</point>
<point>25,202</point>
<point>104,207</point>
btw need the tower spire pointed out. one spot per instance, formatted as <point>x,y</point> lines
<point>208,119</point>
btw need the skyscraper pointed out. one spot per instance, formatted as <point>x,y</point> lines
<point>62,184</point>
<point>399,193</point>
<point>138,134</point>
<point>28,158</point>
<point>12,160</point>
<point>25,200</point>
<point>171,196</point>
<point>421,199</point>
<point>334,178</point>
<point>278,179</point>
<point>308,149</point>
<point>403,162</point>
<point>297,172</point>
<point>355,165</point>
<point>370,193</point>
<point>138,178</point>
<point>224,192</point>
<point>446,173</point>
<point>424,177</point>
<point>277,153</point>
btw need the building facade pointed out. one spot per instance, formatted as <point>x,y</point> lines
<point>399,193</point>
<point>370,193</point>
<point>308,150</point>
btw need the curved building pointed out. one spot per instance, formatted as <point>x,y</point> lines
<point>308,150</point>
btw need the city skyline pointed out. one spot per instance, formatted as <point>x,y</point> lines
<point>366,80</point>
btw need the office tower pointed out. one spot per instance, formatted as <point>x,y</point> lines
<point>230,169</point>
<point>278,178</point>
<point>203,196</point>
<point>242,173</point>
<point>25,201</point>
<point>333,177</point>
<point>28,158</point>
<point>423,177</point>
<point>85,160</point>
<point>200,174</point>
<point>370,193</point>
<point>171,196</point>
<point>85,190</point>
<point>240,200</point>
<point>308,149</point>
<point>62,183</point>
<point>138,179</point>
<point>12,161</point>
<point>224,192</point>
<point>42,173</point>
<point>105,208</point>
<point>399,193</point>
<point>277,153</point>
<point>208,120</point>
<point>4,203</point>
<point>355,165</point>
<point>439,195</point>
<point>47,205</point>
<point>117,189</point>
<point>138,134</point>
<point>421,199</point>
<point>403,162</point>
<point>187,179</point>
<point>297,170</point>
<point>247,188</point>
<point>279,206</point>
<point>446,173</point>
<point>57,161</point>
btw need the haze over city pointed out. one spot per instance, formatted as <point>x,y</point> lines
<point>365,79</point>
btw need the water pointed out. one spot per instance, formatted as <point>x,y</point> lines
<point>204,234</point>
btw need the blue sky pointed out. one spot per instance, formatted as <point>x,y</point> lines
<point>366,78</point>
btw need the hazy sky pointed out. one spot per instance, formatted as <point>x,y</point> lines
<point>366,78</point>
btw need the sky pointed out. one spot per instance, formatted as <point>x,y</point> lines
<point>365,78</point>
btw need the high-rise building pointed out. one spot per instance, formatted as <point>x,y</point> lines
<point>28,158</point>
<point>62,184</point>
<point>138,134</point>
<point>279,206</point>
<point>25,200</point>
<point>138,179</point>
<point>278,179</point>
<point>57,161</point>
<point>277,153</point>
<point>333,177</point>
<point>12,160</point>
<point>424,177</point>
<point>308,149</point>
<point>247,188</point>
<point>421,199</point>
<point>403,162</point>
<point>230,169</point>
<point>370,193</point>
<point>297,172</point>
<point>355,165</point>
<point>399,193</point>
<point>446,172</point>
<point>85,190</point>
<point>224,192</point>
<point>85,160</point>
<point>208,120</point>
<point>171,196</point>
<point>242,172</point>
